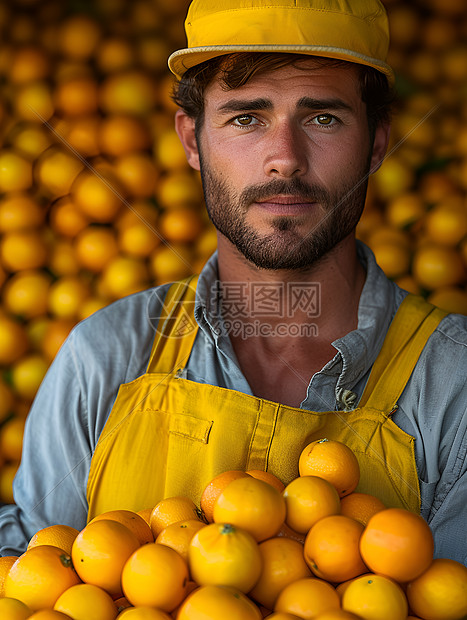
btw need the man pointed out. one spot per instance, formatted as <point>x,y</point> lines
<point>291,332</point>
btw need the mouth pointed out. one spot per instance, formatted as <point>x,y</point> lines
<point>285,204</point>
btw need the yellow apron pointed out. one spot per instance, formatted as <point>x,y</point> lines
<point>169,436</point>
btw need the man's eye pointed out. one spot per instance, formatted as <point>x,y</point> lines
<point>325,119</point>
<point>245,120</point>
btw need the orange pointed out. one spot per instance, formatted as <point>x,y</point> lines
<point>408,283</point>
<point>29,62</point>
<point>13,340</point>
<point>450,298</point>
<point>15,171</point>
<point>27,374</point>
<point>124,275</point>
<point>214,488</point>
<point>144,613</point>
<point>66,296</point>
<point>282,616</point>
<point>55,334</point>
<point>307,598</point>
<point>26,293</point>
<point>100,551</point>
<point>114,53</point>
<point>13,609</point>
<point>138,174</point>
<point>120,134</point>
<point>283,563</point>
<point>394,259</point>
<point>375,597</point>
<point>138,212</point>
<point>85,601</point>
<point>11,439</point>
<point>98,195</point>
<point>122,603</point>
<point>33,101</point>
<point>56,169</point>
<point>82,133</point>
<point>337,614</point>
<point>20,210</point>
<point>172,510</point>
<point>156,576</point>
<point>181,224</point>
<point>388,234</point>
<point>446,223</point>
<point>79,35</point>
<point>178,535</point>
<point>91,305</point>
<point>61,536</point>
<point>440,593</point>
<point>62,259</point>
<point>7,474</point>
<point>253,505</point>
<point>30,139</point>
<point>132,521</point>
<point>169,152</point>
<point>333,461</point>
<point>288,532</point>
<point>138,240</point>
<point>405,209</point>
<point>225,555</point>
<point>215,602</point>
<point>6,562</point>
<point>146,514</point>
<point>308,499</point>
<point>77,96</point>
<point>23,249</point>
<point>178,189</point>
<point>66,218</point>
<point>171,262</point>
<point>332,548</point>
<point>131,91</point>
<point>397,543</point>
<point>268,477</point>
<point>40,576</point>
<point>361,506</point>
<point>435,266</point>
<point>49,614</point>
<point>95,247</point>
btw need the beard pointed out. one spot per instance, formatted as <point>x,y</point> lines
<point>286,247</point>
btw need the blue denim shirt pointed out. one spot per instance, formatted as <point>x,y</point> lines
<point>112,347</point>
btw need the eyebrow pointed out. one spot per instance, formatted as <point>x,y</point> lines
<point>308,103</point>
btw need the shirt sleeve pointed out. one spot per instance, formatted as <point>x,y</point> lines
<point>50,484</point>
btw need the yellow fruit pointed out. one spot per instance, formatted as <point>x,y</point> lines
<point>85,601</point>
<point>440,593</point>
<point>332,548</point>
<point>56,169</point>
<point>435,266</point>
<point>178,535</point>
<point>132,521</point>
<point>253,505</point>
<point>66,218</point>
<point>374,597</point>
<point>6,562</point>
<point>447,223</point>
<point>79,36</point>
<point>26,293</point>
<point>124,275</point>
<point>100,552</point>
<point>15,171</point>
<point>27,374</point>
<point>40,576</point>
<point>450,298</point>
<point>137,173</point>
<point>308,499</point>
<point>215,602</point>
<point>283,562</point>
<point>96,247</point>
<point>172,510</point>
<point>13,340</point>
<point>66,296</point>
<point>333,461</point>
<point>156,576</point>
<point>13,609</point>
<point>19,210</point>
<point>61,536</point>
<point>307,598</point>
<point>120,134</point>
<point>143,613</point>
<point>361,506</point>
<point>224,555</point>
<point>182,224</point>
<point>33,102</point>
<point>214,488</point>
<point>397,543</point>
<point>128,92</point>
<point>11,439</point>
<point>98,195</point>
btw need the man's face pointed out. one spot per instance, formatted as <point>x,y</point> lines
<point>284,161</point>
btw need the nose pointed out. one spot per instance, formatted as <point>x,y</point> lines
<point>286,152</point>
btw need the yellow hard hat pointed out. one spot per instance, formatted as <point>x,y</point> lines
<point>352,30</point>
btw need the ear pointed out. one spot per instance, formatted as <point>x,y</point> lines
<point>380,146</point>
<point>185,128</point>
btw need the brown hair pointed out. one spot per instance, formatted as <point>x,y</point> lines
<point>234,70</point>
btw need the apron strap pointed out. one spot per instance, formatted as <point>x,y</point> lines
<point>413,324</point>
<point>176,329</point>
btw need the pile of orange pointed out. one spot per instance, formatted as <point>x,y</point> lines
<point>312,549</point>
<point>97,200</point>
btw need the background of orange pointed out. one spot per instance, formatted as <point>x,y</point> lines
<point>97,201</point>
